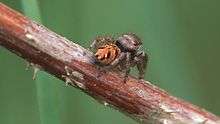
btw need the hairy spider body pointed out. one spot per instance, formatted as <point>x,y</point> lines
<point>107,54</point>
<point>120,54</point>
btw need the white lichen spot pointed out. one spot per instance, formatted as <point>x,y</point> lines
<point>167,109</point>
<point>72,73</point>
<point>142,93</point>
<point>67,80</point>
<point>29,36</point>
<point>27,66</point>
<point>141,120</point>
<point>139,92</point>
<point>165,121</point>
<point>79,84</point>
<point>105,103</point>
<point>205,121</point>
<point>77,74</point>
<point>195,117</point>
<point>67,71</point>
<point>36,69</point>
<point>198,118</point>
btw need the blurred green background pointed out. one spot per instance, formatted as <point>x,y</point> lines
<point>182,38</point>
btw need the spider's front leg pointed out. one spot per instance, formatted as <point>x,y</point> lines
<point>93,45</point>
<point>122,63</point>
<point>127,66</point>
<point>141,60</point>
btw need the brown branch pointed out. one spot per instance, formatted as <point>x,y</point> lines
<point>140,100</point>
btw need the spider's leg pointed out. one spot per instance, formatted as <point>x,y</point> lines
<point>101,71</point>
<point>141,60</point>
<point>114,64</point>
<point>93,44</point>
<point>126,73</point>
<point>127,66</point>
<point>116,61</point>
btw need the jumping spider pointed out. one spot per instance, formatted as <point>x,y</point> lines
<point>120,54</point>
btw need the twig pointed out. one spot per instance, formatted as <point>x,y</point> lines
<point>70,62</point>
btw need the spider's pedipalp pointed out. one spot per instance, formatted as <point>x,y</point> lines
<point>141,60</point>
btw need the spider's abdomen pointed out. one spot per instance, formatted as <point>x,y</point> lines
<point>107,54</point>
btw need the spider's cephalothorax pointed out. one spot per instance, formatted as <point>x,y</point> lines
<point>121,53</point>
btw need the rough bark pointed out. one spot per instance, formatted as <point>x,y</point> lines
<point>73,64</point>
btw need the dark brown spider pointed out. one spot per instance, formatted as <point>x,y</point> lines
<point>120,54</point>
